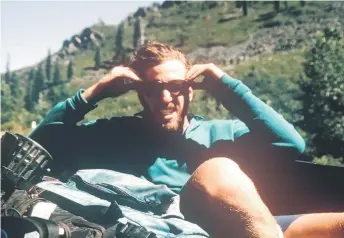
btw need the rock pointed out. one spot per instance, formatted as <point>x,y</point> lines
<point>71,48</point>
<point>227,17</point>
<point>130,20</point>
<point>65,43</point>
<point>76,41</point>
<point>154,9</point>
<point>141,12</point>
<point>207,18</point>
<point>167,4</point>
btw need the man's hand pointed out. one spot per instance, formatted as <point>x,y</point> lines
<point>210,72</point>
<point>117,82</point>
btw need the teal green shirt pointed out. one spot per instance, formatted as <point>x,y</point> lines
<point>133,145</point>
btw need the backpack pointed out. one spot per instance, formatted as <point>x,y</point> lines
<point>98,203</point>
<point>92,203</point>
<point>40,218</point>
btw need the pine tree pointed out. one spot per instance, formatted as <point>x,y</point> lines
<point>70,71</point>
<point>97,61</point>
<point>244,8</point>
<point>8,106</point>
<point>48,67</point>
<point>38,84</point>
<point>57,75</point>
<point>277,6</point>
<point>119,53</point>
<point>138,36</point>
<point>51,95</point>
<point>14,86</point>
<point>7,76</point>
<point>7,103</point>
<point>29,102</point>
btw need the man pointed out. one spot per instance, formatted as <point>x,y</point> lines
<point>197,158</point>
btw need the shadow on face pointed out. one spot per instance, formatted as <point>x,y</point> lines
<point>166,95</point>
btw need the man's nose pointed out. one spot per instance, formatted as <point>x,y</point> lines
<point>166,96</point>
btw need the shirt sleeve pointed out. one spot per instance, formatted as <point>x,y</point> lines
<point>59,133</point>
<point>265,126</point>
<point>70,111</point>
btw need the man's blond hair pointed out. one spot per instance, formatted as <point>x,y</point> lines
<point>154,53</point>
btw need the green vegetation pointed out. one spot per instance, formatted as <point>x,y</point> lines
<point>70,71</point>
<point>270,45</point>
<point>48,67</point>
<point>323,94</point>
<point>119,45</point>
<point>97,60</point>
<point>57,75</point>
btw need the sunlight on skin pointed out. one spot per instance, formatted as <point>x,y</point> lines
<point>322,225</point>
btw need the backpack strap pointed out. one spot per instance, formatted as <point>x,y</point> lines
<point>45,228</point>
<point>125,229</point>
<point>133,231</point>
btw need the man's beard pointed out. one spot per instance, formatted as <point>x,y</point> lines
<point>175,125</point>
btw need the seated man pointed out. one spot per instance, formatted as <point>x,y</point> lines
<point>202,160</point>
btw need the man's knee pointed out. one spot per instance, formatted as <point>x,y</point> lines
<point>220,195</point>
<point>215,177</point>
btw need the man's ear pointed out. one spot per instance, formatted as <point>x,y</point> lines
<point>190,92</point>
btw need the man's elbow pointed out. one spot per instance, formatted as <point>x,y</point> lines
<point>299,145</point>
<point>293,146</point>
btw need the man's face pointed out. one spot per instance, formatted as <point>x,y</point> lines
<point>166,95</point>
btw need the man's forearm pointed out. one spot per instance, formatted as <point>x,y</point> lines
<point>92,94</point>
<point>70,112</point>
<point>95,93</point>
<point>260,118</point>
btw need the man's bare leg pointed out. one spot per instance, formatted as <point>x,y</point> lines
<point>223,200</point>
<point>320,225</point>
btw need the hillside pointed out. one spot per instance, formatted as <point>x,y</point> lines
<point>265,49</point>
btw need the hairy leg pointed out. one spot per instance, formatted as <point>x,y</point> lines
<point>223,200</point>
<point>317,225</point>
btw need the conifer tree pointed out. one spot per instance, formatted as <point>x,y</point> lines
<point>48,67</point>
<point>57,75</point>
<point>14,86</point>
<point>7,76</point>
<point>29,102</point>
<point>97,61</point>
<point>277,6</point>
<point>38,84</point>
<point>138,36</point>
<point>70,71</point>
<point>244,8</point>
<point>119,52</point>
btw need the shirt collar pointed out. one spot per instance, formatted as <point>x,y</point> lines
<point>195,122</point>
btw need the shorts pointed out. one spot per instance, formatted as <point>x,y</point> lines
<point>285,221</point>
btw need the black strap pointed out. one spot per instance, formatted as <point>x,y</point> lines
<point>128,230</point>
<point>134,231</point>
<point>45,228</point>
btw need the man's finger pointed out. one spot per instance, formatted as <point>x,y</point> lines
<point>132,76</point>
<point>197,72</point>
<point>192,71</point>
